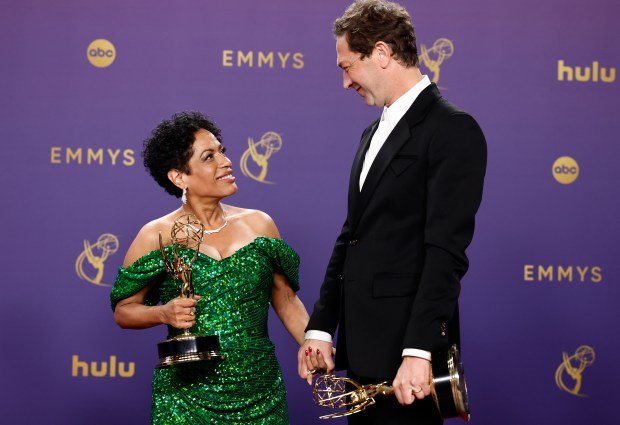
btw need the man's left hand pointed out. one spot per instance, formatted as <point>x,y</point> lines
<point>412,380</point>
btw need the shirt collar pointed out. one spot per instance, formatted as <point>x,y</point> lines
<point>396,110</point>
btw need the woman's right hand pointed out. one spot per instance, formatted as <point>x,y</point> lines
<point>180,312</point>
<point>315,356</point>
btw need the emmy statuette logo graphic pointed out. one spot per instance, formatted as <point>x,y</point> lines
<point>101,53</point>
<point>90,264</point>
<point>569,375</point>
<point>433,58</point>
<point>260,152</point>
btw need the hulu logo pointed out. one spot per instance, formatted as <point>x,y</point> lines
<point>592,73</point>
<point>109,369</point>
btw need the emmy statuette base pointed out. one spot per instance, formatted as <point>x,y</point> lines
<point>449,389</point>
<point>189,348</point>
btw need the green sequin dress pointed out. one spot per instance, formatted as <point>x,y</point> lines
<point>247,387</point>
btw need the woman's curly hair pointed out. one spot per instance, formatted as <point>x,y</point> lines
<point>170,146</point>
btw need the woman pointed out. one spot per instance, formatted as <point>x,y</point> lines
<point>242,266</point>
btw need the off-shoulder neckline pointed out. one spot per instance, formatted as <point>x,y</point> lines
<point>203,255</point>
<point>234,253</point>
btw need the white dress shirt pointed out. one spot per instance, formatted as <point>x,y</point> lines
<point>389,118</point>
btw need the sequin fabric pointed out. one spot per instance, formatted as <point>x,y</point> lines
<point>247,387</point>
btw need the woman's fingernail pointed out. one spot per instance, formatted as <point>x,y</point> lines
<point>318,351</point>
<point>306,353</point>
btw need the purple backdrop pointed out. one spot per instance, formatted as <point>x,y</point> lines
<point>539,302</point>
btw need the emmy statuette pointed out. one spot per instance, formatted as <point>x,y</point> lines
<point>447,380</point>
<point>186,232</point>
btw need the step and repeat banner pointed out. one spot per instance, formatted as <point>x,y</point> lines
<point>82,84</point>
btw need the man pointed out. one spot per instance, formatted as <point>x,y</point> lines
<point>393,280</point>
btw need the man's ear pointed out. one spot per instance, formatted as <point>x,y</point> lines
<point>384,52</point>
<point>177,178</point>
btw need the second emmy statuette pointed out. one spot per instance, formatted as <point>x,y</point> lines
<point>447,380</point>
<point>187,347</point>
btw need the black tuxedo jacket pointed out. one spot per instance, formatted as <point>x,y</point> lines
<point>393,279</point>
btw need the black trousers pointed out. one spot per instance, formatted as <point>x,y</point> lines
<point>388,411</point>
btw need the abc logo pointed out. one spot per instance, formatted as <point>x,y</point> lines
<point>101,53</point>
<point>565,170</point>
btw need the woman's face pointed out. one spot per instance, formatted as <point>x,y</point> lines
<point>210,170</point>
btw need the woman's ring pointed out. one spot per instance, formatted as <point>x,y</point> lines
<point>416,390</point>
<point>312,372</point>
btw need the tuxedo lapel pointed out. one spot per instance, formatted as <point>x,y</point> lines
<point>400,135</point>
<point>356,170</point>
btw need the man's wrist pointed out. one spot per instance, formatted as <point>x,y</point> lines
<point>320,335</point>
<point>414,352</point>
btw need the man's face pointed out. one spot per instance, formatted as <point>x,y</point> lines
<point>360,74</point>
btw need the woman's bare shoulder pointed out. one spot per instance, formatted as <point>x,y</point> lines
<point>259,221</point>
<point>147,239</point>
